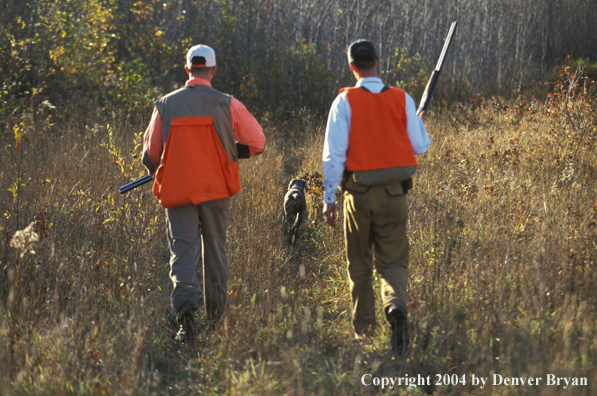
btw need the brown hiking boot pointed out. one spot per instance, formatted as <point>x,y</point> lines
<point>398,321</point>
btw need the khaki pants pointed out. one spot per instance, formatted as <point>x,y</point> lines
<point>375,220</point>
<point>198,232</point>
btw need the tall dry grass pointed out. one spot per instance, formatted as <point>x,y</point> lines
<point>502,270</point>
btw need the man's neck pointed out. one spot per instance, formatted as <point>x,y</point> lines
<point>368,80</point>
<point>365,73</point>
<point>202,76</point>
<point>197,81</point>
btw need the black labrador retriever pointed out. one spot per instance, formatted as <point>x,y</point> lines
<point>295,208</point>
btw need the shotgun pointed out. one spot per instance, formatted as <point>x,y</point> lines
<point>435,74</point>
<point>135,183</point>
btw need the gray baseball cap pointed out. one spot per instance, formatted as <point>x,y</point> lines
<point>361,50</point>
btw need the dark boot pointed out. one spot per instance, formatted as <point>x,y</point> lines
<point>187,331</point>
<point>398,321</point>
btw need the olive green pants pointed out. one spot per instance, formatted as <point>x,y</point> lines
<point>375,219</point>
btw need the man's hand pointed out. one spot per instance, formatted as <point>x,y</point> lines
<point>422,115</point>
<point>329,214</point>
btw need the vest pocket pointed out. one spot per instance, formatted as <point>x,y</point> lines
<point>384,176</point>
<point>395,190</point>
<point>354,187</point>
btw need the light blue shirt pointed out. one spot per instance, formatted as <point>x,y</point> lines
<point>338,131</point>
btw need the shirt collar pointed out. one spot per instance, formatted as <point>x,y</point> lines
<point>368,80</point>
<point>197,81</point>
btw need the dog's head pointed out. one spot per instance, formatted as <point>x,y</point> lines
<point>298,184</point>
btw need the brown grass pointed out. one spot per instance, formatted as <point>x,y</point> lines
<point>502,273</point>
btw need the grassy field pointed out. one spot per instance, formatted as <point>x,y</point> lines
<point>502,273</point>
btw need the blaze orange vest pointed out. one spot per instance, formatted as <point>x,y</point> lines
<point>195,167</point>
<point>199,161</point>
<point>378,137</point>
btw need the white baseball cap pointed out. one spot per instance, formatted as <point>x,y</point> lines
<point>203,51</point>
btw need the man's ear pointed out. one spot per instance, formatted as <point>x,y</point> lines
<point>186,68</point>
<point>352,67</point>
<point>213,70</point>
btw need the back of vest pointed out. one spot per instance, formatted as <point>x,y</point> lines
<point>378,136</point>
<point>199,162</point>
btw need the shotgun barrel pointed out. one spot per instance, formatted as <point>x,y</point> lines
<point>135,183</point>
<point>435,74</point>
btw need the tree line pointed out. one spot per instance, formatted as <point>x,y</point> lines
<point>277,56</point>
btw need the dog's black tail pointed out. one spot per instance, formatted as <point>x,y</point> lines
<point>294,229</point>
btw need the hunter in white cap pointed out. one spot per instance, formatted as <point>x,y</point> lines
<point>201,51</point>
<point>192,145</point>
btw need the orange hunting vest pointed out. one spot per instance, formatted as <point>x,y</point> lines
<point>199,161</point>
<point>378,137</point>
